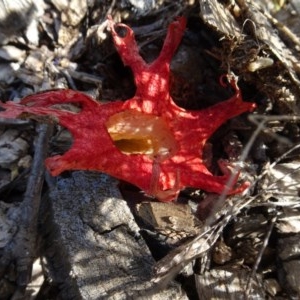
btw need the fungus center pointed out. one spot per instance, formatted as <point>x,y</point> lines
<point>138,133</point>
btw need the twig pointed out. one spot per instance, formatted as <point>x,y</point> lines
<point>24,250</point>
<point>259,257</point>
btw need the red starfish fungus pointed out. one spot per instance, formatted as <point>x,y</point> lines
<point>147,140</point>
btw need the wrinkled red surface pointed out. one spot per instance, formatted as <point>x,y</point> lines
<point>93,148</point>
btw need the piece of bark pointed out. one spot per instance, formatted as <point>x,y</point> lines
<point>94,248</point>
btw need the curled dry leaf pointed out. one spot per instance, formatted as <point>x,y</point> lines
<point>147,140</point>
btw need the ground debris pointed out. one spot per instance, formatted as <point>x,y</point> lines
<point>89,237</point>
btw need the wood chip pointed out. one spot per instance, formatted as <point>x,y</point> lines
<point>218,284</point>
<point>72,11</point>
<point>11,139</point>
<point>218,16</point>
<point>12,53</point>
<point>289,251</point>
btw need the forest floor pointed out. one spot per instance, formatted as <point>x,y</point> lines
<point>85,235</point>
